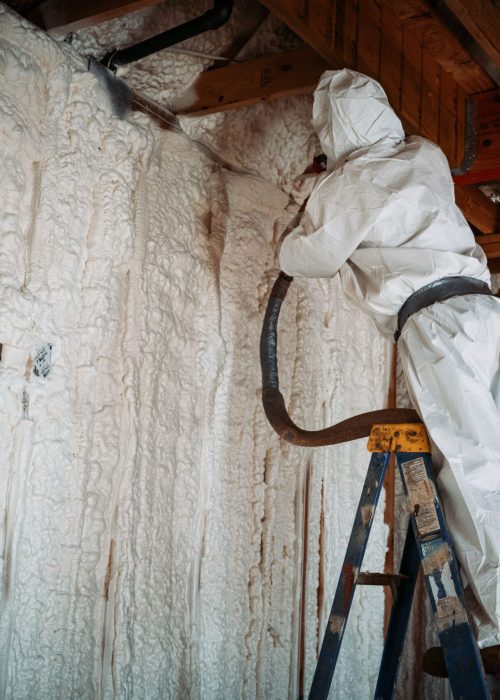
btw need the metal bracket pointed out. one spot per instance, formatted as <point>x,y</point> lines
<point>471,131</point>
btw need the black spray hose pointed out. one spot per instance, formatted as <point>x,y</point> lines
<point>274,404</point>
<point>212,19</point>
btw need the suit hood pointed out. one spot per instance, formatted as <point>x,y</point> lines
<point>351,111</point>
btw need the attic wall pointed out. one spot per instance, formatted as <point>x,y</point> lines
<point>158,541</point>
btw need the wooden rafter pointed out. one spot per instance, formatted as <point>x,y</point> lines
<point>439,42</point>
<point>63,16</point>
<point>425,71</point>
<point>481,18</point>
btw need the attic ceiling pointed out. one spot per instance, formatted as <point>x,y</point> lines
<point>432,57</point>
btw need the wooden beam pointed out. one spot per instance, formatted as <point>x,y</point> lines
<point>494,267</point>
<point>306,20</point>
<point>64,16</point>
<point>440,42</point>
<point>242,84</point>
<point>481,18</point>
<point>490,245</point>
<point>478,209</point>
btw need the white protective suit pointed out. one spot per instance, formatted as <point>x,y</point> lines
<point>383,216</point>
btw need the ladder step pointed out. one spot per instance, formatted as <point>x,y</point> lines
<point>367,578</point>
<point>433,661</point>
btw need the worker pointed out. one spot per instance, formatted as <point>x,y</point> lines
<point>383,217</point>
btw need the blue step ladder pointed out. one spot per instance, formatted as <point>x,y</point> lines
<point>429,544</point>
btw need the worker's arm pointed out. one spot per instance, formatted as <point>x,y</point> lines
<point>338,215</point>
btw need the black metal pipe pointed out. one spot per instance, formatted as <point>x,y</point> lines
<point>212,19</point>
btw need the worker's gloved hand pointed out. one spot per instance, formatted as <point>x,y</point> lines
<point>300,188</point>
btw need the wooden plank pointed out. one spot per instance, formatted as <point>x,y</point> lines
<point>490,245</point>
<point>242,84</point>
<point>300,8</point>
<point>448,118</point>
<point>339,26</point>
<point>350,53</point>
<point>64,16</point>
<point>411,83</point>
<point>478,209</point>
<point>391,57</point>
<point>494,267</point>
<point>461,118</point>
<point>441,43</point>
<point>322,15</point>
<point>302,24</point>
<point>481,18</point>
<point>431,89</point>
<point>369,39</point>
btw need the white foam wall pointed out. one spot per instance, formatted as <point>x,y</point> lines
<point>159,541</point>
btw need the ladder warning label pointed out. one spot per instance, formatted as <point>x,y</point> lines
<point>426,518</point>
<point>448,607</point>
<point>450,612</point>
<point>420,496</point>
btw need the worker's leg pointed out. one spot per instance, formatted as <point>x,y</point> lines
<point>450,354</point>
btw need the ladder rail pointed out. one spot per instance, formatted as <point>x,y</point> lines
<point>398,622</point>
<point>442,577</point>
<point>341,606</point>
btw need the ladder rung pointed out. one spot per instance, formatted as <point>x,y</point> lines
<point>366,578</point>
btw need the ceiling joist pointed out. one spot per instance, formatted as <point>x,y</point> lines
<point>242,84</point>
<point>63,16</point>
